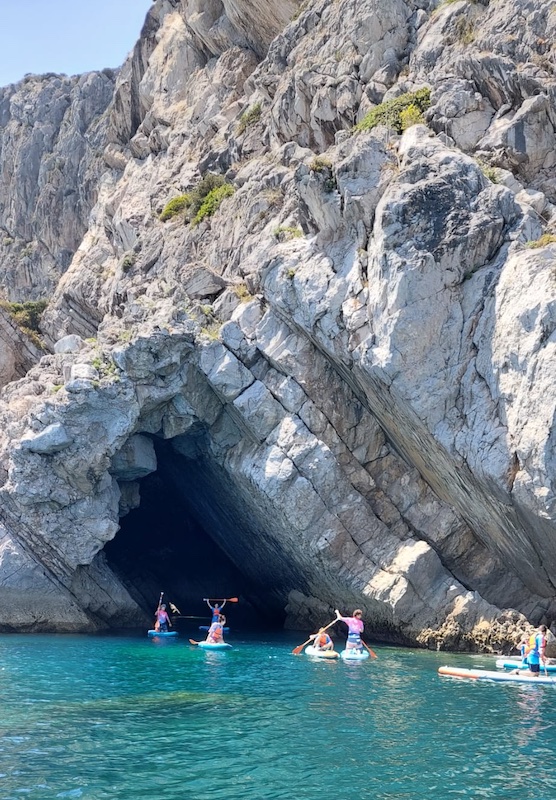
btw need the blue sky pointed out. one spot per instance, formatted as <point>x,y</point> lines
<point>66,36</point>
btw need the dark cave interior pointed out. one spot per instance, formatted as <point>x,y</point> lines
<point>172,543</point>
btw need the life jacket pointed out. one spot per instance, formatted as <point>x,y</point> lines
<point>535,643</point>
<point>215,634</point>
<point>322,639</point>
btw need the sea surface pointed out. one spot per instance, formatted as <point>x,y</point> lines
<point>128,718</point>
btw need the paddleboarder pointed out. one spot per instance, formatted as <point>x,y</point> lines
<point>322,641</point>
<point>537,649</point>
<point>355,629</point>
<point>162,619</point>
<point>215,633</point>
<point>216,609</point>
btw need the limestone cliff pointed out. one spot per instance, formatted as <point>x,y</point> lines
<point>304,347</point>
<point>52,134</point>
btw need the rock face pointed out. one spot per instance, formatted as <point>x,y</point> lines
<point>52,133</point>
<point>18,351</point>
<point>329,384</point>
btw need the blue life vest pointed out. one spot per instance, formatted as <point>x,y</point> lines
<point>535,644</point>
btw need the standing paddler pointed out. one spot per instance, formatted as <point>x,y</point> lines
<point>355,629</point>
<point>216,609</point>
<point>161,618</point>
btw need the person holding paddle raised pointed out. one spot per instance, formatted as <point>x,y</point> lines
<point>355,629</point>
<point>162,619</point>
<point>216,609</point>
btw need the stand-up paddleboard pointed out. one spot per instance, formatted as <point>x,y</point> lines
<point>206,628</point>
<point>497,677</point>
<point>214,645</point>
<point>162,633</point>
<point>510,663</point>
<point>316,652</point>
<point>354,654</point>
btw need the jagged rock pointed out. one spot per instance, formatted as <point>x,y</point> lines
<point>51,130</point>
<point>18,350</point>
<point>203,283</point>
<point>51,440</point>
<point>225,372</point>
<point>69,344</point>
<point>135,460</point>
<point>130,497</point>
<point>524,141</point>
<point>83,372</point>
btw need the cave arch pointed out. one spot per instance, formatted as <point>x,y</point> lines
<point>193,535</point>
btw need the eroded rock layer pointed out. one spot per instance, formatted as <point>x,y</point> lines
<point>334,360</point>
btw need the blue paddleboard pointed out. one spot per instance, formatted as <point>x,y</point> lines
<point>353,654</point>
<point>514,663</point>
<point>206,627</point>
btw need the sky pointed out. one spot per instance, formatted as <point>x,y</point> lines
<point>69,36</point>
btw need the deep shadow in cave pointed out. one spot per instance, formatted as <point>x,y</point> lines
<point>163,546</point>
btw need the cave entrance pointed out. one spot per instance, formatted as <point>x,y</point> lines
<point>190,539</point>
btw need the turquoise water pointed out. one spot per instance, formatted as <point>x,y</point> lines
<point>135,719</point>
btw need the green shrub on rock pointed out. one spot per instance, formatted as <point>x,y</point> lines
<point>128,261</point>
<point>249,117</point>
<point>544,241</point>
<point>212,202</point>
<point>202,201</point>
<point>285,232</point>
<point>27,315</point>
<point>320,164</point>
<point>174,207</point>
<point>390,112</point>
<point>412,115</point>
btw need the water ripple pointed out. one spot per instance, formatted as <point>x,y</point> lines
<point>114,719</point>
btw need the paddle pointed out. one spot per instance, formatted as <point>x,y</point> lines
<point>192,641</point>
<point>372,652</point>
<point>222,599</point>
<point>157,623</point>
<point>297,650</point>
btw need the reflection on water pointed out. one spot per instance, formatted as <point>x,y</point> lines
<point>127,719</point>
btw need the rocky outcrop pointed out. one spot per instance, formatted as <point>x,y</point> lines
<point>19,351</point>
<point>52,133</point>
<point>340,369</point>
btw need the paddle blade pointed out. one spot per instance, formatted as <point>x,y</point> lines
<point>371,652</point>
<point>297,650</point>
<point>232,599</point>
<point>192,641</point>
